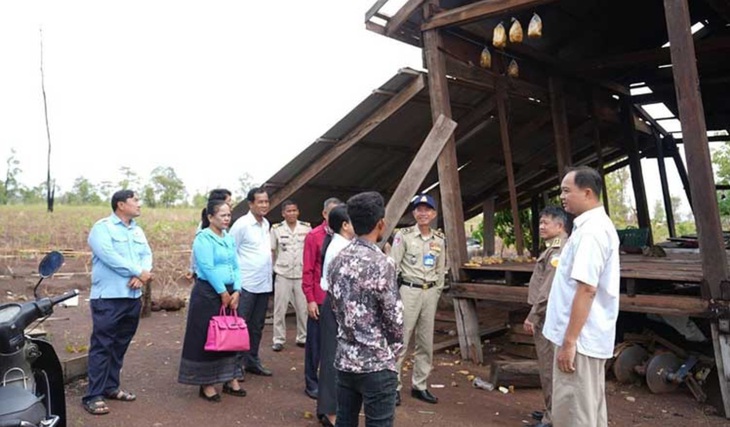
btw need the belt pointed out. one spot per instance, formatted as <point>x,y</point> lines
<point>424,286</point>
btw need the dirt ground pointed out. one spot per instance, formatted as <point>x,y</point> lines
<point>152,361</point>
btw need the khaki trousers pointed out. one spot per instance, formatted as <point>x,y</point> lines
<point>289,291</point>
<point>419,312</point>
<point>545,354</point>
<point>579,398</point>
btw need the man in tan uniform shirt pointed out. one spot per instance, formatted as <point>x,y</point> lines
<point>553,222</point>
<point>287,247</point>
<point>420,258</point>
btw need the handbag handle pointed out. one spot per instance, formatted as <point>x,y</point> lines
<point>224,312</point>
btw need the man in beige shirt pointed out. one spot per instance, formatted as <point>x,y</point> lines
<point>553,224</point>
<point>420,258</point>
<point>287,246</point>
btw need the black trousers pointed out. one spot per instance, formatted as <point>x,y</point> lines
<point>327,398</point>
<point>253,308</point>
<point>311,354</point>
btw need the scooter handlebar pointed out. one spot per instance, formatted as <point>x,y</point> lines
<point>64,297</point>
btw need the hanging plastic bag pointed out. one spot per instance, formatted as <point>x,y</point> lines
<point>515,32</point>
<point>485,59</point>
<point>513,70</point>
<point>499,38</point>
<point>534,30</point>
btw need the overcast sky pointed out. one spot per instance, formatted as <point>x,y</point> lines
<point>214,89</point>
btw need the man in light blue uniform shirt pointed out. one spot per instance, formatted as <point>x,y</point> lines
<point>253,246</point>
<point>121,264</point>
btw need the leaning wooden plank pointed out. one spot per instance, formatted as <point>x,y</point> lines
<point>518,373</point>
<point>507,151</point>
<point>417,171</point>
<point>374,9</point>
<point>478,10</point>
<point>353,137</point>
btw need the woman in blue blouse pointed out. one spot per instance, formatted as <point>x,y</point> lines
<point>218,283</point>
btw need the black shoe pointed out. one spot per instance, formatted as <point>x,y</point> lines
<point>227,389</point>
<point>277,347</point>
<point>259,370</point>
<point>216,398</point>
<point>301,344</point>
<point>424,395</point>
<point>313,394</point>
<point>537,415</point>
<point>397,398</point>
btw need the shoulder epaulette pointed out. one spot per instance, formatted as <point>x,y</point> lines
<point>439,233</point>
<point>407,230</point>
<point>277,225</point>
<point>306,223</point>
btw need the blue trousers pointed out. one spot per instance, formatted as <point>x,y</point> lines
<point>311,354</point>
<point>115,322</point>
<point>376,390</point>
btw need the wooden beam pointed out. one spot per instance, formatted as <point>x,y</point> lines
<point>658,304</point>
<point>599,150</point>
<point>449,185</point>
<point>353,137</point>
<point>637,176</point>
<point>479,10</point>
<point>507,150</point>
<point>374,9</point>
<point>560,125</point>
<point>488,229</point>
<point>715,267</point>
<point>430,150</point>
<point>402,16</point>
<point>666,196</point>
<point>535,211</point>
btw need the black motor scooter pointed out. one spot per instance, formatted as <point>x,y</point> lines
<point>31,377</point>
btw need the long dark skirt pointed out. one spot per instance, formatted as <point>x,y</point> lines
<point>327,397</point>
<point>197,366</point>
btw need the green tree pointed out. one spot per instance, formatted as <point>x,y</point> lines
<point>83,192</point>
<point>106,189</point>
<point>11,189</point>
<point>200,200</point>
<point>245,184</point>
<point>35,195</point>
<point>130,180</point>
<point>622,213</point>
<point>659,228</point>
<point>148,197</point>
<point>168,187</point>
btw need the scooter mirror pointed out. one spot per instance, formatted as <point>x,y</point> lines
<point>50,264</point>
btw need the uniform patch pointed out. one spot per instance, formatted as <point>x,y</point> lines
<point>554,261</point>
<point>397,240</point>
<point>434,247</point>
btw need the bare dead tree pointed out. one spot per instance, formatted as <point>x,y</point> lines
<point>50,185</point>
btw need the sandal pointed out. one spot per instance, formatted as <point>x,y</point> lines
<point>233,392</point>
<point>216,398</point>
<point>96,406</point>
<point>122,395</point>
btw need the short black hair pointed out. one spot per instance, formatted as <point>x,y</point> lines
<point>210,209</point>
<point>587,177</point>
<point>557,213</point>
<point>253,192</point>
<point>288,202</point>
<point>338,216</point>
<point>219,194</point>
<point>365,210</point>
<point>121,196</point>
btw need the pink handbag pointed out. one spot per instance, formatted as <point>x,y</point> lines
<point>227,333</point>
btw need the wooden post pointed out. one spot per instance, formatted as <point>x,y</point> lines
<point>665,185</point>
<point>449,186</point>
<point>707,217</point>
<point>441,132</point>
<point>599,150</point>
<point>507,149</point>
<point>488,227</point>
<point>560,125</point>
<point>535,209</point>
<point>637,177</point>
<point>682,171</point>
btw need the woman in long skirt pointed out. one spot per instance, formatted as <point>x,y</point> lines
<point>218,285</point>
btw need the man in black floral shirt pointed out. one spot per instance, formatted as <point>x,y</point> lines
<point>369,314</point>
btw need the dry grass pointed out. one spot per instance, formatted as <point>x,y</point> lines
<point>26,231</point>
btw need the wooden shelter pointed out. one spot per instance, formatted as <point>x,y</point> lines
<point>482,141</point>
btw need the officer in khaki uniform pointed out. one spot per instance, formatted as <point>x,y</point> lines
<point>553,223</point>
<point>420,258</point>
<point>287,248</point>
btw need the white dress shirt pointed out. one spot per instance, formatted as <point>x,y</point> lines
<point>337,244</point>
<point>253,247</point>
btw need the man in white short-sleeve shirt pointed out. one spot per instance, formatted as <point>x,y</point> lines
<point>583,305</point>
